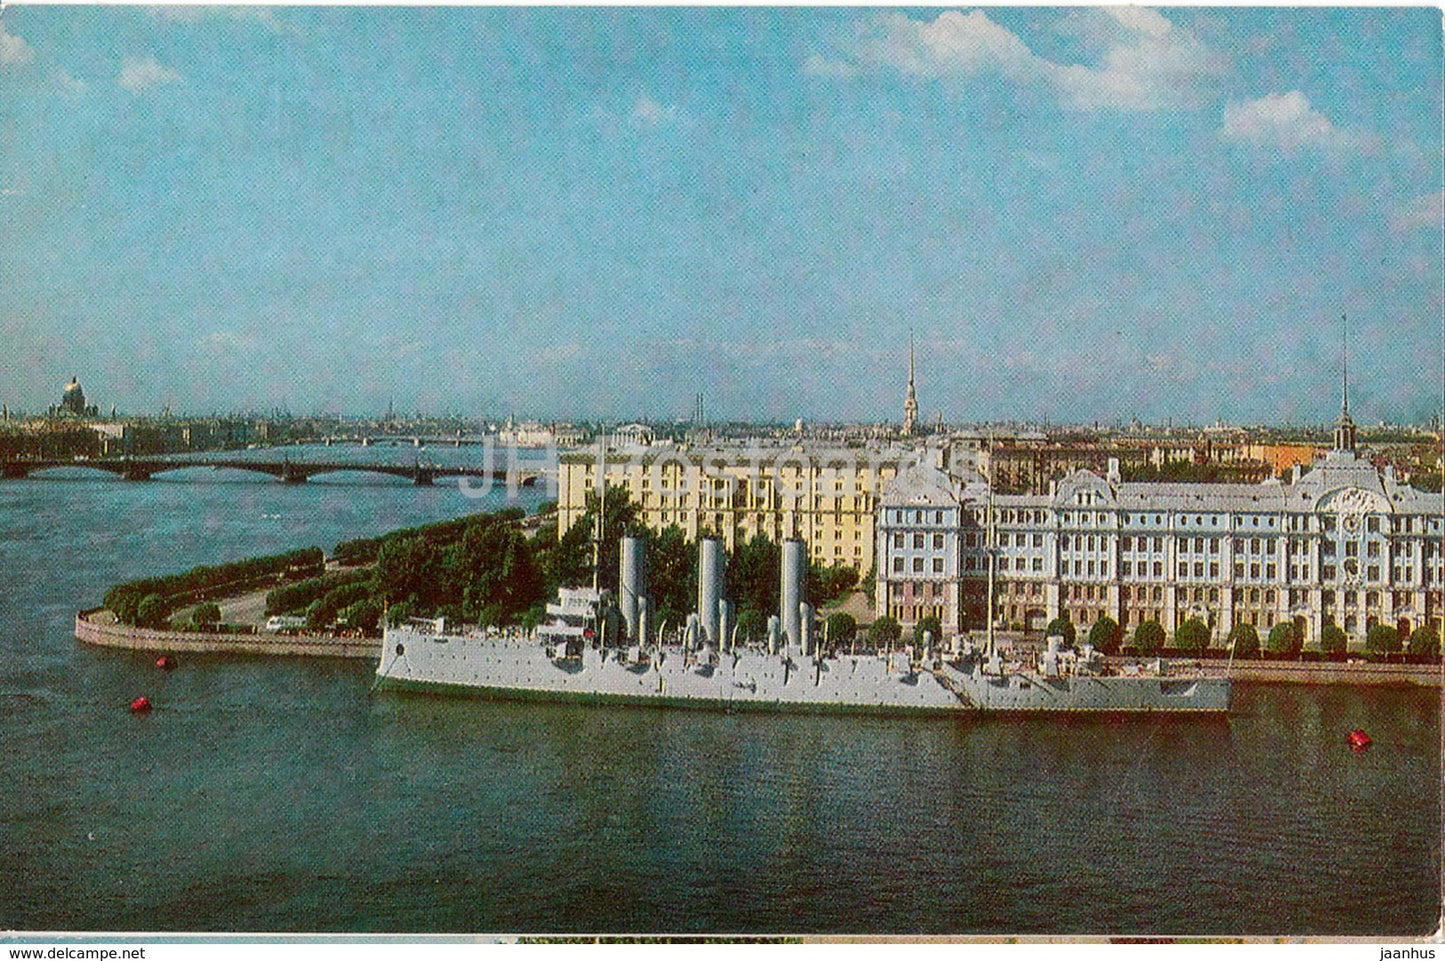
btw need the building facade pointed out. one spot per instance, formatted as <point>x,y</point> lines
<point>1343,544</point>
<point>827,496</point>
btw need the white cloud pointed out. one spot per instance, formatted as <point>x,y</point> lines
<point>71,85</point>
<point>1284,120</point>
<point>1427,211</point>
<point>142,73</point>
<point>14,51</point>
<point>816,66</point>
<point>1147,62</point>
<point>649,113</point>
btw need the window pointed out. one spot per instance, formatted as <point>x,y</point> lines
<point>918,565</point>
<point>937,541</point>
<point>938,565</point>
<point>898,565</point>
<point>917,541</point>
<point>1125,568</point>
<point>898,539</point>
<point>1127,544</point>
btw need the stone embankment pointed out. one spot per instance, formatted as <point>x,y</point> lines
<point>98,626</point>
<point>1308,672</point>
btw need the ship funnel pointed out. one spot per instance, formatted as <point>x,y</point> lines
<point>629,586</point>
<point>805,631</point>
<point>725,625</point>
<point>791,593</point>
<point>773,630</point>
<point>644,621</point>
<point>709,588</point>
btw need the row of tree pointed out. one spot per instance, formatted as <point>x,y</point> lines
<point>492,574</point>
<point>149,602</point>
<point>1283,640</point>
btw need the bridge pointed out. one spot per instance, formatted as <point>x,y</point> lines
<point>285,470</point>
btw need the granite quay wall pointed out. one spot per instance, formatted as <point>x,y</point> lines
<point>91,629</point>
<point>1308,672</point>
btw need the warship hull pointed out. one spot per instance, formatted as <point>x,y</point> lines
<point>518,668</point>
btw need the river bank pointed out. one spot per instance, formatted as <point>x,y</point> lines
<point>99,627</point>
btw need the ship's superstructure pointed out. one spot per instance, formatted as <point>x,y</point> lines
<point>595,650</point>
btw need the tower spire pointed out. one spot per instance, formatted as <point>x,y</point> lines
<point>910,402</point>
<point>1345,426</point>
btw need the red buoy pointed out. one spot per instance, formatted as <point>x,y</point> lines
<point>1359,740</point>
<point>166,663</point>
<point>140,705</point>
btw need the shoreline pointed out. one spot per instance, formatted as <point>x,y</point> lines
<point>90,630</point>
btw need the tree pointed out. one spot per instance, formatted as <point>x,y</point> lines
<point>569,560</point>
<point>1192,636</point>
<point>1382,639</point>
<point>151,611</point>
<point>929,625</point>
<point>1244,639</point>
<point>1284,639</point>
<point>1333,640</point>
<point>753,575</point>
<point>884,632</point>
<point>494,575</point>
<point>206,614</point>
<point>1061,626</point>
<point>752,626</point>
<point>671,575</point>
<point>411,568</point>
<point>840,629</point>
<point>1149,637</point>
<point>1425,643</point>
<point>1105,635</point>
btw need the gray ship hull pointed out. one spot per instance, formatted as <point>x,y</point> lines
<point>520,669</point>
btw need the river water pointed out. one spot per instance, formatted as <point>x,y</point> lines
<point>281,795</point>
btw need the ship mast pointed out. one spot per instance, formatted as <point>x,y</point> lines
<point>601,510</point>
<point>988,541</point>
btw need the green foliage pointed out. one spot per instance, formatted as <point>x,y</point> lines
<point>1192,636</point>
<point>671,576</point>
<point>754,576</point>
<point>752,625</point>
<point>1149,637</point>
<point>409,569</point>
<point>546,508</point>
<point>1425,642</point>
<point>364,615</point>
<point>1382,639</point>
<point>1244,639</point>
<point>932,626</point>
<point>491,574</point>
<point>840,629</point>
<point>1333,640</point>
<point>825,585</point>
<point>366,550</point>
<point>206,613</point>
<point>1284,639</point>
<point>151,611</point>
<point>1106,635</point>
<point>1062,627</point>
<point>568,562</point>
<point>885,632</point>
<point>291,597</point>
<point>176,589</point>
<point>398,613</point>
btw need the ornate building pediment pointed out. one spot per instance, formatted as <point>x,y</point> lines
<point>1352,501</point>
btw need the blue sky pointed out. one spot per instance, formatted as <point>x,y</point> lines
<point>1082,214</point>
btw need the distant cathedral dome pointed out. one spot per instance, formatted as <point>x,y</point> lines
<point>74,400</point>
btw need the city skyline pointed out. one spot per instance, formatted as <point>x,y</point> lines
<point>1081,215</point>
